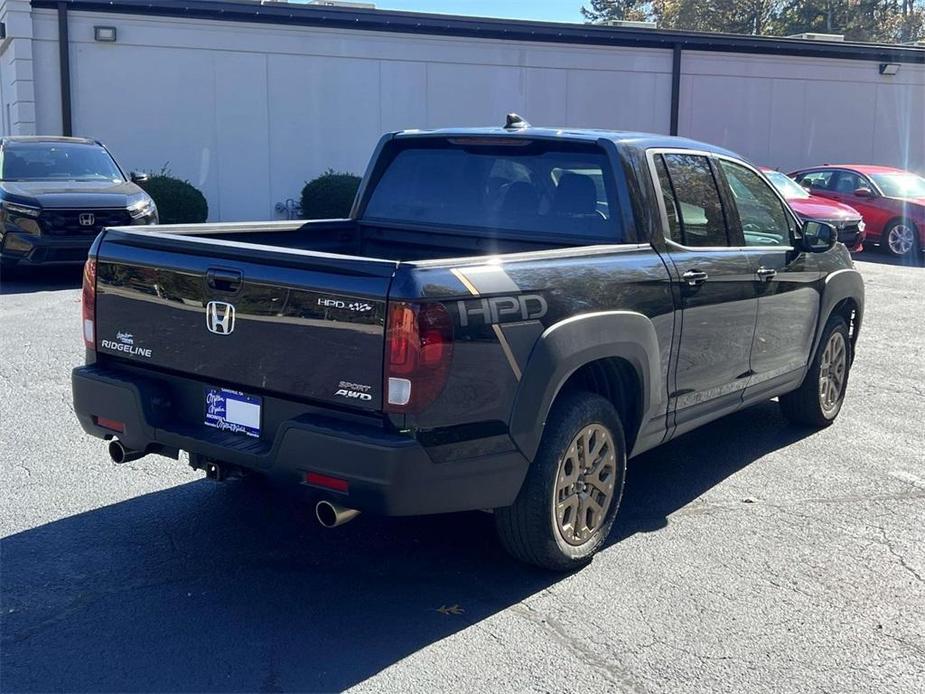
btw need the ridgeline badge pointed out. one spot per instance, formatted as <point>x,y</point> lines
<point>125,342</point>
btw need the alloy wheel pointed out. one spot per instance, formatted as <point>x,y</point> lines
<point>832,373</point>
<point>901,239</point>
<point>585,484</point>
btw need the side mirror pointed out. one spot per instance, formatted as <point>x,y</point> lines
<point>818,237</point>
<point>806,186</point>
<point>864,193</point>
<point>139,177</point>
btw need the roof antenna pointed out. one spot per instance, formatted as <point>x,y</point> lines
<point>515,122</point>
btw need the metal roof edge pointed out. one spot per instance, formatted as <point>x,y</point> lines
<point>491,28</point>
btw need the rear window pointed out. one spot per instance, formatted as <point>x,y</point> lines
<point>528,186</point>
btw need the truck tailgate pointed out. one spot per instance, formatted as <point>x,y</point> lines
<point>245,317</point>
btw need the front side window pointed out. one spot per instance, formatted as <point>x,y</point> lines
<point>57,161</point>
<point>524,186</point>
<point>695,198</point>
<point>761,213</point>
<point>848,182</point>
<point>787,187</point>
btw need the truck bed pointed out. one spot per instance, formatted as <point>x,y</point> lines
<point>379,241</point>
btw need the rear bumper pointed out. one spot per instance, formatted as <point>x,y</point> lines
<point>387,473</point>
<point>29,249</point>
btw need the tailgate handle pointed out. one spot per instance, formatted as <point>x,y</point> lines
<point>224,280</point>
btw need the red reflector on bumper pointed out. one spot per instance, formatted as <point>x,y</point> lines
<point>318,480</point>
<point>110,424</point>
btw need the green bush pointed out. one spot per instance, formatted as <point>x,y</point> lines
<point>178,201</point>
<point>330,196</point>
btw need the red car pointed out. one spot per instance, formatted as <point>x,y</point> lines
<point>845,219</point>
<point>892,201</point>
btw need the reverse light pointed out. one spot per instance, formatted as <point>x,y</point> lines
<point>419,348</point>
<point>88,304</point>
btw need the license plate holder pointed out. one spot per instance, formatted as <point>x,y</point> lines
<point>232,410</point>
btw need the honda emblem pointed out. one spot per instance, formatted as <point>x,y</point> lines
<point>220,317</point>
<point>86,219</point>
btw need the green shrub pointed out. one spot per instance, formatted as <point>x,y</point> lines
<point>330,196</point>
<point>178,201</point>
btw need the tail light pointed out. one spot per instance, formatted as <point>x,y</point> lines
<point>88,303</point>
<point>419,348</point>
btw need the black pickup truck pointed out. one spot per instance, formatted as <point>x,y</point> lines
<point>506,316</point>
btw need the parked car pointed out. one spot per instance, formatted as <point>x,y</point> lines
<point>57,193</point>
<point>845,219</point>
<point>892,201</point>
<point>507,315</point>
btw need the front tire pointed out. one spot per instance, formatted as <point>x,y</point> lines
<point>819,399</point>
<point>568,502</point>
<point>901,239</point>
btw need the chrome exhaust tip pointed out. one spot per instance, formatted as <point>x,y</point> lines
<point>331,515</point>
<point>120,454</point>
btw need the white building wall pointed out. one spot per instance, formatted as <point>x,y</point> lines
<point>17,91</point>
<point>789,112</point>
<point>249,112</point>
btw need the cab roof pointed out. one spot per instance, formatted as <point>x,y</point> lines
<point>622,138</point>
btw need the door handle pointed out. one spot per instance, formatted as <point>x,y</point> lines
<point>694,278</point>
<point>766,273</point>
<point>224,280</point>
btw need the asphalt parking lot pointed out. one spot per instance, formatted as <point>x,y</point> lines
<point>748,556</point>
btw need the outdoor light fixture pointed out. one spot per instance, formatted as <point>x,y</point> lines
<point>104,34</point>
<point>889,69</point>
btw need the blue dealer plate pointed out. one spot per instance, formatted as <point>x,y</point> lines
<point>230,410</point>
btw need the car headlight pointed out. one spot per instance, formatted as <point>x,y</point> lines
<point>25,210</point>
<point>142,208</point>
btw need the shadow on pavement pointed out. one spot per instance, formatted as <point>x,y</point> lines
<point>206,587</point>
<point>876,254</point>
<point>40,279</point>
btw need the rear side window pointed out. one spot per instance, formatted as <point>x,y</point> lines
<point>671,205</point>
<point>530,187</point>
<point>695,198</point>
<point>815,180</point>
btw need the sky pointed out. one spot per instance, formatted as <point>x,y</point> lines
<point>543,10</point>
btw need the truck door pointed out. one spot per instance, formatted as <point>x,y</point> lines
<point>713,284</point>
<point>786,281</point>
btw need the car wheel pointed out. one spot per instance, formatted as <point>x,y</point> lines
<point>572,491</point>
<point>819,399</point>
<point>901,238</point>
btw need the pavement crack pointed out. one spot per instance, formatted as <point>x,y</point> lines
<point>577,647</point>
<point>885,541</point>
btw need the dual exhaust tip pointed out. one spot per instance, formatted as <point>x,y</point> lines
<point>329,514</point>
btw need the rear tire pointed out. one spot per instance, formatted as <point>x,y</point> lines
<point>819,399</point>
<point>570,497</point>
<point>901,239</point>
